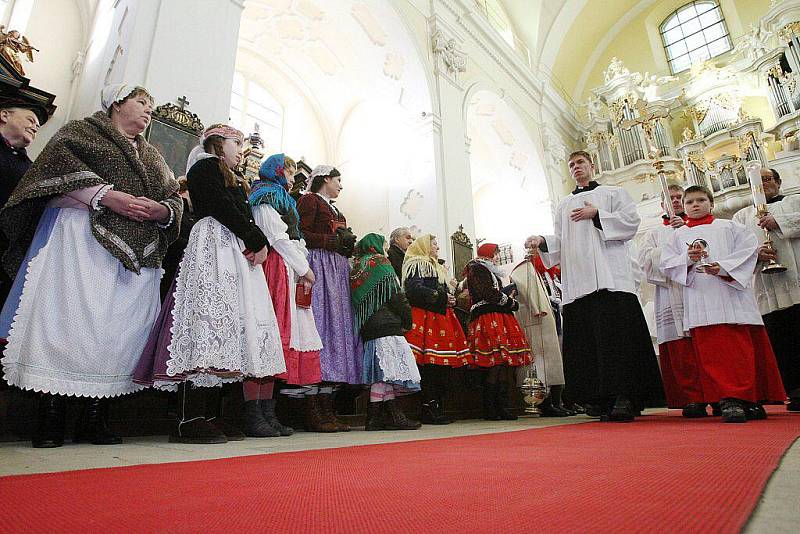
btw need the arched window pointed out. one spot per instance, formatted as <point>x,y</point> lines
<point>694,33</point>
<point>251,104</point>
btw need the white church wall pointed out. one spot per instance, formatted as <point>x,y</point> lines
<point>52,67</point>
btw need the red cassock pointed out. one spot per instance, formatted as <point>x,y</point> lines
<point>736,361</point>
<point>680,373</point>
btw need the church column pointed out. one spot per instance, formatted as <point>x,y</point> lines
<point>172,47</point>
<point>454,186</point>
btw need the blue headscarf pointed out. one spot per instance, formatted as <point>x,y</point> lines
<point>270,188</point>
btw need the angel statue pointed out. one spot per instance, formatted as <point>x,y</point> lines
<point>12,44</point>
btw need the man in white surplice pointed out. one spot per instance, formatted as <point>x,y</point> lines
<point>778,294</point>
<point>609,362</point>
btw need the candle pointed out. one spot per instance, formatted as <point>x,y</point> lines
<point>665,192</point>
<point>756,185</point>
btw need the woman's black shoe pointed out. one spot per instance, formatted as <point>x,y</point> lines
<point>49,431</point>
<point>503,409</point>
<point>93,424</point>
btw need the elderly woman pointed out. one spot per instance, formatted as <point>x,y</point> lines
<point>89,225</point>
<point>436,337</point>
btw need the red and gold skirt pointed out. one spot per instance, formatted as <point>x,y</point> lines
<point>496,339</point>
<point>437,338</point>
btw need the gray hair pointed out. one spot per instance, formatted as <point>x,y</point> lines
<point>396,233</point>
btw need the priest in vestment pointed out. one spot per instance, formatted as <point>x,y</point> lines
<point>778,294</point>
<point>537,319</point>
<point>609,361</point>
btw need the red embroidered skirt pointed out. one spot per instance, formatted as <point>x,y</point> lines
<point>736,361</point>
<point>437,338</point>
<point>679,373</point>
<point>496,339</point>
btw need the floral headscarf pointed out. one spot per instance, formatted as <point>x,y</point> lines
<point>373,281</point>
<point>271,188</point>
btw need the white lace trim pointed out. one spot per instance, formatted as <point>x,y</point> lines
<point>396,359</point>
<point>223,314</point>
<point>171,217</point>
<point>99,196</point>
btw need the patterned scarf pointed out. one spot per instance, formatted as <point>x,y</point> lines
<point>271,188</point>
<point>373,281</point>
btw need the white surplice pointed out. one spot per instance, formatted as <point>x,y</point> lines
<point>708,299</point>
<point>778,291</point>
<point>669,295</point>
<point>593,259</point>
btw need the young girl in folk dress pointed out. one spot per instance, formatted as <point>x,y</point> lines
<point>288,272</point>
<point>495,338</point>
<point>382,316</point>
<point>436,337</point>
<point>224,326</point>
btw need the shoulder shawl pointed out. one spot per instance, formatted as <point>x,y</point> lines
<point>86,153</point>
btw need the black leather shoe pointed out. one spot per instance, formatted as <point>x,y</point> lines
<point>732,411</point>
<point>794,404</point>
<point>623,411</point>
<point>549,410</point>
<point>93,424</point>
<point>432,414</point>
<point>754,412</point>
<point>49,431</point>
<point>695,410</point>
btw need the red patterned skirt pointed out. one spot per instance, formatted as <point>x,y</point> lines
<point>496,338</point>
<point>437,339</point>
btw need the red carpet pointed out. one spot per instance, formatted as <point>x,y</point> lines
<point>663,474</point>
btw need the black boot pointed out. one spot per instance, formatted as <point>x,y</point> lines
<point>374,416</point>
<point>555,397</point>
<point>794,404</point>
<point>694,410</point>
<point>395,419</point>
<point>432,414</point>
<point>504,409</point>
<point>49,431</point>
<point>255,425</point>
<point>192,426</point>
<point>490,402</point>
<point>214,415</point>
<point>732,411</point>
<point>268,409</point>
<point>93,424</point>
<point>622,411</point>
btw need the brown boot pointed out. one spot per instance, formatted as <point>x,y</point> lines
<point>314,422</point>
<point>329,414</point>
<point>374,416</point>
<point>395,419</point>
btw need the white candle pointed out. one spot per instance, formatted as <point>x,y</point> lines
<point>756,185</point>
<point>665,192</point>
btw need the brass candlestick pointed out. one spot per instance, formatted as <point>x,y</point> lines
<point>773,266</point>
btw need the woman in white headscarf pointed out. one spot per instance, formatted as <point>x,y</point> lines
<point>88,226</point>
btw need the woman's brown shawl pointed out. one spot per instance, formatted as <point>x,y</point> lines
<point>86,153</point>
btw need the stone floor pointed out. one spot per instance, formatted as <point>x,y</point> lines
<point>778,511</point>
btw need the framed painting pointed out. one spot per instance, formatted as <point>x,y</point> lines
<point>174,132</point>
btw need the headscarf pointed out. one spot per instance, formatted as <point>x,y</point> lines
<point>419,262</point>
<point>117,92</point>
<point>271,188</point>
<point>373,281</point>
<point>199,153</point>
<point>485,254</point>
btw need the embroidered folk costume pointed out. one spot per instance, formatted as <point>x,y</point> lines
<point>734,357</point>
<point>496,341</point>
<point>275,212</point>
<point>86,291</point>
<point>330,243</point>
<point>436,337</point>
<point>382,315</point>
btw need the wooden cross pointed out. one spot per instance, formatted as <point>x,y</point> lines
<point>182,102</point>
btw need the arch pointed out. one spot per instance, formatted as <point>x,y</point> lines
<point>508,174</point>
